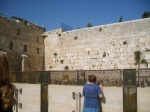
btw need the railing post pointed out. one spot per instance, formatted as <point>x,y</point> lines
<point>79,102</point>
<point>44,97</point>
<point>77,97</point>
<point>77,77</point>
<point>16,98</point>
<point>45,80</point>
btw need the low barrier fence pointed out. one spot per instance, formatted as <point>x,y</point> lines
<point>143,77</point>
<point>79,77</point>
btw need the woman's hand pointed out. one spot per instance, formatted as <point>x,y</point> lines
<point>101,87</point>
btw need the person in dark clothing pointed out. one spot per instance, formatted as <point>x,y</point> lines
<point>6,88</point>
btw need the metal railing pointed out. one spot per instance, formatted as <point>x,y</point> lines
<point>144,77</point>
<point>79,77</point>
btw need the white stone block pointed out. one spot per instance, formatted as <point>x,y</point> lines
<point>86,67</point>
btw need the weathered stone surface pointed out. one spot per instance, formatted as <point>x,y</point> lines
<point>29,36</point>
<point>118,41</point>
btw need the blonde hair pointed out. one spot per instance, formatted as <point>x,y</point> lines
<point>6,88</point>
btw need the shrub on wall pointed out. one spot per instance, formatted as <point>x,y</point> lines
<point>120,20</point>
<point>51,67</point>
<point>143,61</point>
<point>100,29</point>
<point>89,25</point>
<point>137,56</point>
<point>75,38</point>
<point>59,34</point>
<point>55,54</point>
<point>62,61</point>
<point>146,14</point>
<point>124,43</point>
<point>147,50</point>
<point>66,68</point>
<point>104,54</point>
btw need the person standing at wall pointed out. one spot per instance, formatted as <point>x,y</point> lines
<point>6,88</point>
<point>91,93</point>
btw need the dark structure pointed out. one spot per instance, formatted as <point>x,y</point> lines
<point>23,43</point>
<point>129,90</point>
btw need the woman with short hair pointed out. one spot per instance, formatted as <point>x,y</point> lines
<point>91,93</point>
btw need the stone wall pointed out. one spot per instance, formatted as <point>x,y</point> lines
<point>109,46</point>
<point>14,37</point>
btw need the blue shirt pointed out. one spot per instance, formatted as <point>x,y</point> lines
<point>91,93</point>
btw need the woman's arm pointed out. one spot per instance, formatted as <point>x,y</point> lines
<point>101,95</point>
<point>101,88</point>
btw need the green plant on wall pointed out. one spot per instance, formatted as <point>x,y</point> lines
<point>124,43</point>
<point>89,25</point>
<point>59,34</point>
<point>120,20</point>
<point>66,68</point>
<point>143,61</point>
<point>62,61</point>
<point>137,56</point>
<point>145,14</point>
<point>55,54</point>
<point>75,38</point>
<point>147,50</point>
<point>51,67</point>
<point>104,55</point>
<point>100,29</point>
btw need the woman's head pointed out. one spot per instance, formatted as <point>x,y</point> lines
<point>92,78</point>
<point>4,68</point>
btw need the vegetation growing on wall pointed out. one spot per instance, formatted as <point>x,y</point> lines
<point>146,14</point>
<point>100,29</point>
<point>59,34</point>
<point>51,67</point>
<point>62,61</point>
<point>104,55</point>
<point>75,38</point>
<point>89,25</point>
<point>124,43</point>
<point>120,20</point>
<point>143,61</point>
<point>137,57</point>
<point>147,50</point>
<point>66,67</point>
<point>55,54</point>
